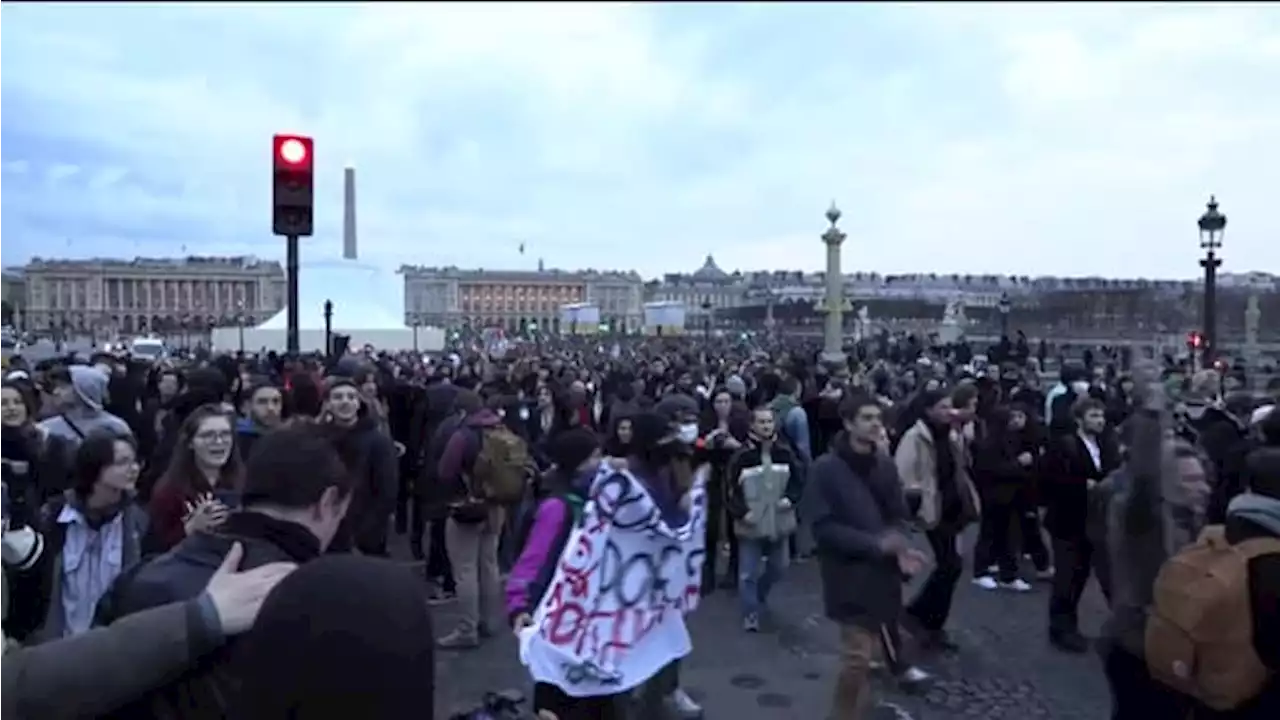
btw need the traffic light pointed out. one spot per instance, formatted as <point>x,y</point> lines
<point>293,189</point>
<point>1195,340</point>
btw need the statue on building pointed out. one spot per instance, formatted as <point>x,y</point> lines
<point>953,321</point>
<point>862,324</point>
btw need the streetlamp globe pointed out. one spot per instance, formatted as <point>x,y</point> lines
<point>1212,224</point>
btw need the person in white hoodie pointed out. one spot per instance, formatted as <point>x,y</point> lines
<point>79,397</point>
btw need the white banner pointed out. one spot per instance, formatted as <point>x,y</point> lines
<point>664,314</point>
<point>613,615</point>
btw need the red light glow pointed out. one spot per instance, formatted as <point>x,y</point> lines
<point>293,151</point>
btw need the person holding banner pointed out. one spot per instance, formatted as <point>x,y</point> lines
<point>611,618</point>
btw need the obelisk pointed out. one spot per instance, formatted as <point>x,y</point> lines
<point>349,214</point>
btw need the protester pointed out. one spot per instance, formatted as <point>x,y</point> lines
<point>860,524</point>
<point>933,462</point>
<point>263,412</point>
<point>203,482</point>
<point>95,673</point>
<point>469,464</point>
<point>319,650</point>
<point>296,492</point>
<point>35,461</point>
<point>370,456</point>
<point>79,394</point>
<point>92,534</point>
<point>762,490</point>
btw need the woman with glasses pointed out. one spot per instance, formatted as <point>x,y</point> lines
<point>202,483</point>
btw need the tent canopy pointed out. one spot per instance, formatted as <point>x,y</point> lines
<point>363,298</point>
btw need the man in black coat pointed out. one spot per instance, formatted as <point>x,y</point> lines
<point>296,493</point>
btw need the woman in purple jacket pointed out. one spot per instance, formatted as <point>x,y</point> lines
<point>562,490</point>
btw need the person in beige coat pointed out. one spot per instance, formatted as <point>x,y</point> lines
<point>933,463</point>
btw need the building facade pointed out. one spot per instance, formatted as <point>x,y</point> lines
<point>14,288</point>
<point>707,293</point>
<point>516,299</point>
<point>108,296</point>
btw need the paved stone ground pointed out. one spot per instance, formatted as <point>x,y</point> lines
<point>1005,668</point>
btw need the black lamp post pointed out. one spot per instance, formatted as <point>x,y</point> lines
<point>706,320</point>
<point>1212,223</point>
<point>1004,306</point>
<point>328,328</point>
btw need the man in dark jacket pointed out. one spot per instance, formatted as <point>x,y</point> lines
<point>859,521</point>
<point>264,413</point>
<point>439,421</point>
<point>296,493</point>
<point>370,456</point>
<point>1062,399</point>
<point>434,406</point>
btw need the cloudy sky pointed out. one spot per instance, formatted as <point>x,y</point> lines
<point>1070,140</point>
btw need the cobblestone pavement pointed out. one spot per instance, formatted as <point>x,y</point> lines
<point>1004,668</point>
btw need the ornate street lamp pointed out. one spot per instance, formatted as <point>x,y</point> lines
<point>1212,224</point>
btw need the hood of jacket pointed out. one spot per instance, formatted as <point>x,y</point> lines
<point>782,405</point>
<point>1259,510</point>
<point>484,417</point>
<point>90,386</point>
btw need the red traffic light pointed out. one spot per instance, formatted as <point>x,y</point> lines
<point>292,152</point>
<point>1194,339</point>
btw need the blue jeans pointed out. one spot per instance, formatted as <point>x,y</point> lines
<point>760,564</point>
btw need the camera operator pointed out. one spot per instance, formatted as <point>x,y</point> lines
<point>35,465</point>
<point>32,465</point>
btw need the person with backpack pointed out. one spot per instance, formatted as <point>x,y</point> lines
<point>1155,511</point>
<point>541,535</point>
<point>1212,637</point>
<point>484,468</point>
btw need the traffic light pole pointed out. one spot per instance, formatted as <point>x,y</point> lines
<point>291,290</point>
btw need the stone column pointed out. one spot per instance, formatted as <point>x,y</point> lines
<point>833,330</point>
<point>1252,350</point>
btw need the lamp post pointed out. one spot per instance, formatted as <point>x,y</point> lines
<point>1212,223</point>
<point>833,330</point>
<point>240,323</point>
<point>706,320</point>
<point>328,328</point>
<point>1005,306</point>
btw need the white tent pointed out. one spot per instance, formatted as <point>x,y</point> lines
<point>367,306</point>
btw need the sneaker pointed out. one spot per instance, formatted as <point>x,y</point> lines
<point>684,705</point>
<point>986,582</point>
<point>751,623</point>
<point>1045,574</point>
<point>1016,585</point>
<point>913,678</point>
<point>458,640</point>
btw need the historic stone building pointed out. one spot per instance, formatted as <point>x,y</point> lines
<point>108,296</point>
<point>513,299</point>
<point>707,293</point>
<point>14,288</point>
